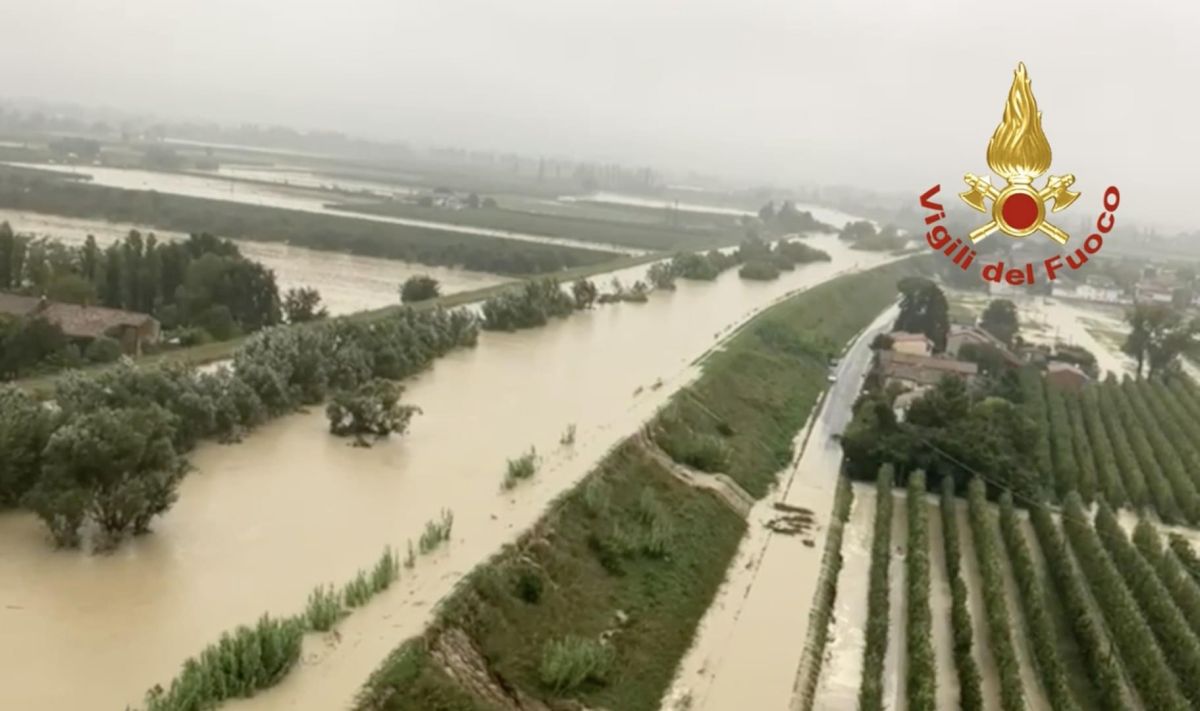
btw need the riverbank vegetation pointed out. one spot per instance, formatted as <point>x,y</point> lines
<point>40,191</point>
<point>632,554</point>
<point>372,409</point>
<point>764,262</point>
<point>524,466</point>
<point>111,453</point>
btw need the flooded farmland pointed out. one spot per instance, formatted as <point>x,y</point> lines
<point>347,282</point>
<point>283,196</point>
<point>259,524</point>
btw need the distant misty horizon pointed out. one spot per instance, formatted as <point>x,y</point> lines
<point>890,97</point>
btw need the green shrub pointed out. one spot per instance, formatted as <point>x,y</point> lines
<point>358,590</point>
<point>521,468</point>
<point>241,663</point>
<point>528,584</point>
<point>570,662</point>
<point>102,350</point>
<point>436,532</point>
<point>386,571</point>
<point>324,608</point>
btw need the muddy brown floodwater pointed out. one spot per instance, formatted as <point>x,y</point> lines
<point>347,283</point>
<point>259,524</point>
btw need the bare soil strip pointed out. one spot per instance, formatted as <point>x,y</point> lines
<point>989,679</point>
<point>939,605</point>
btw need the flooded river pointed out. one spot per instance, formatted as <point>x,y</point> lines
<point>347,282</point>
<point>290,198</point>
<point>259,524</point>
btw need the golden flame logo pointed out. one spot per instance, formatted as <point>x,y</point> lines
<point>1020,153</point>
<point>1019,150</point>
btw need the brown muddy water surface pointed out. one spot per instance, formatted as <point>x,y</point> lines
<point>259,524</point>
<point>347,282</point>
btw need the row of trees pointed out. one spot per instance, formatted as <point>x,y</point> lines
<point>1039,625</point>
<point>203,281</point>
<point>109,457</point>
<point>1104,669</point>
<point>999,623</point>
<point>1174,634</point>
<point>764,261</point>
<point>870,694</point>
<point>1144,661</point>
<point>922,669</point>
<point>970,691</point>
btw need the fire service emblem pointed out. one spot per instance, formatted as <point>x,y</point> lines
<point>1019,153</point>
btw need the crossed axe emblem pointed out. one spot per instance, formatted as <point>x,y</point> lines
<point>1019,210</point>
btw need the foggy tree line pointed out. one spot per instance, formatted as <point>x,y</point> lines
<point>109,457</point>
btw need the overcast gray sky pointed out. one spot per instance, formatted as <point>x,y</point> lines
<point>891,95</point>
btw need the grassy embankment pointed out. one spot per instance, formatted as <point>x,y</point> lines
<point>692,236</point>
<point>601,598</point>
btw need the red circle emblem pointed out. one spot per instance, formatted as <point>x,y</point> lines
<point>1019,211</point>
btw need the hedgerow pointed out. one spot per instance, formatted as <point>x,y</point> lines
<point>1170,626</point>
<point>1143,659</point>
<point>1104,672</point>
<point>870,694</point>
<point>970,691</point>
<point>983,535</point>
<point>922,670</point>
<point>1038,623</point>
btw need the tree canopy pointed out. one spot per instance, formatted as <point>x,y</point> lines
<point>1000,319</point>
<point>923,309</point>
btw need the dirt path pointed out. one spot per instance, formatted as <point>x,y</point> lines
<point>895,664</point>
<point>841,674</point>
<point>989,679</point>
<point>939,606</point>
<point>1035,693</point>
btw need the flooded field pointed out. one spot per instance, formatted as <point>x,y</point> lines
<point>828,215</point>
<point>300,177</point>
<point>259,524</point>
<point>841,673</point>
<point>347,283</point>
<point>290,198</point>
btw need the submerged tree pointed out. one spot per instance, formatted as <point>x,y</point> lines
<point>115,468</point>
<point>584,292</point>
<point>371,409</point>
<point>421,287</point>
<point>303,304</point>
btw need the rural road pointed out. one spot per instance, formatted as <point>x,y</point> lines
<point>750,644</point>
